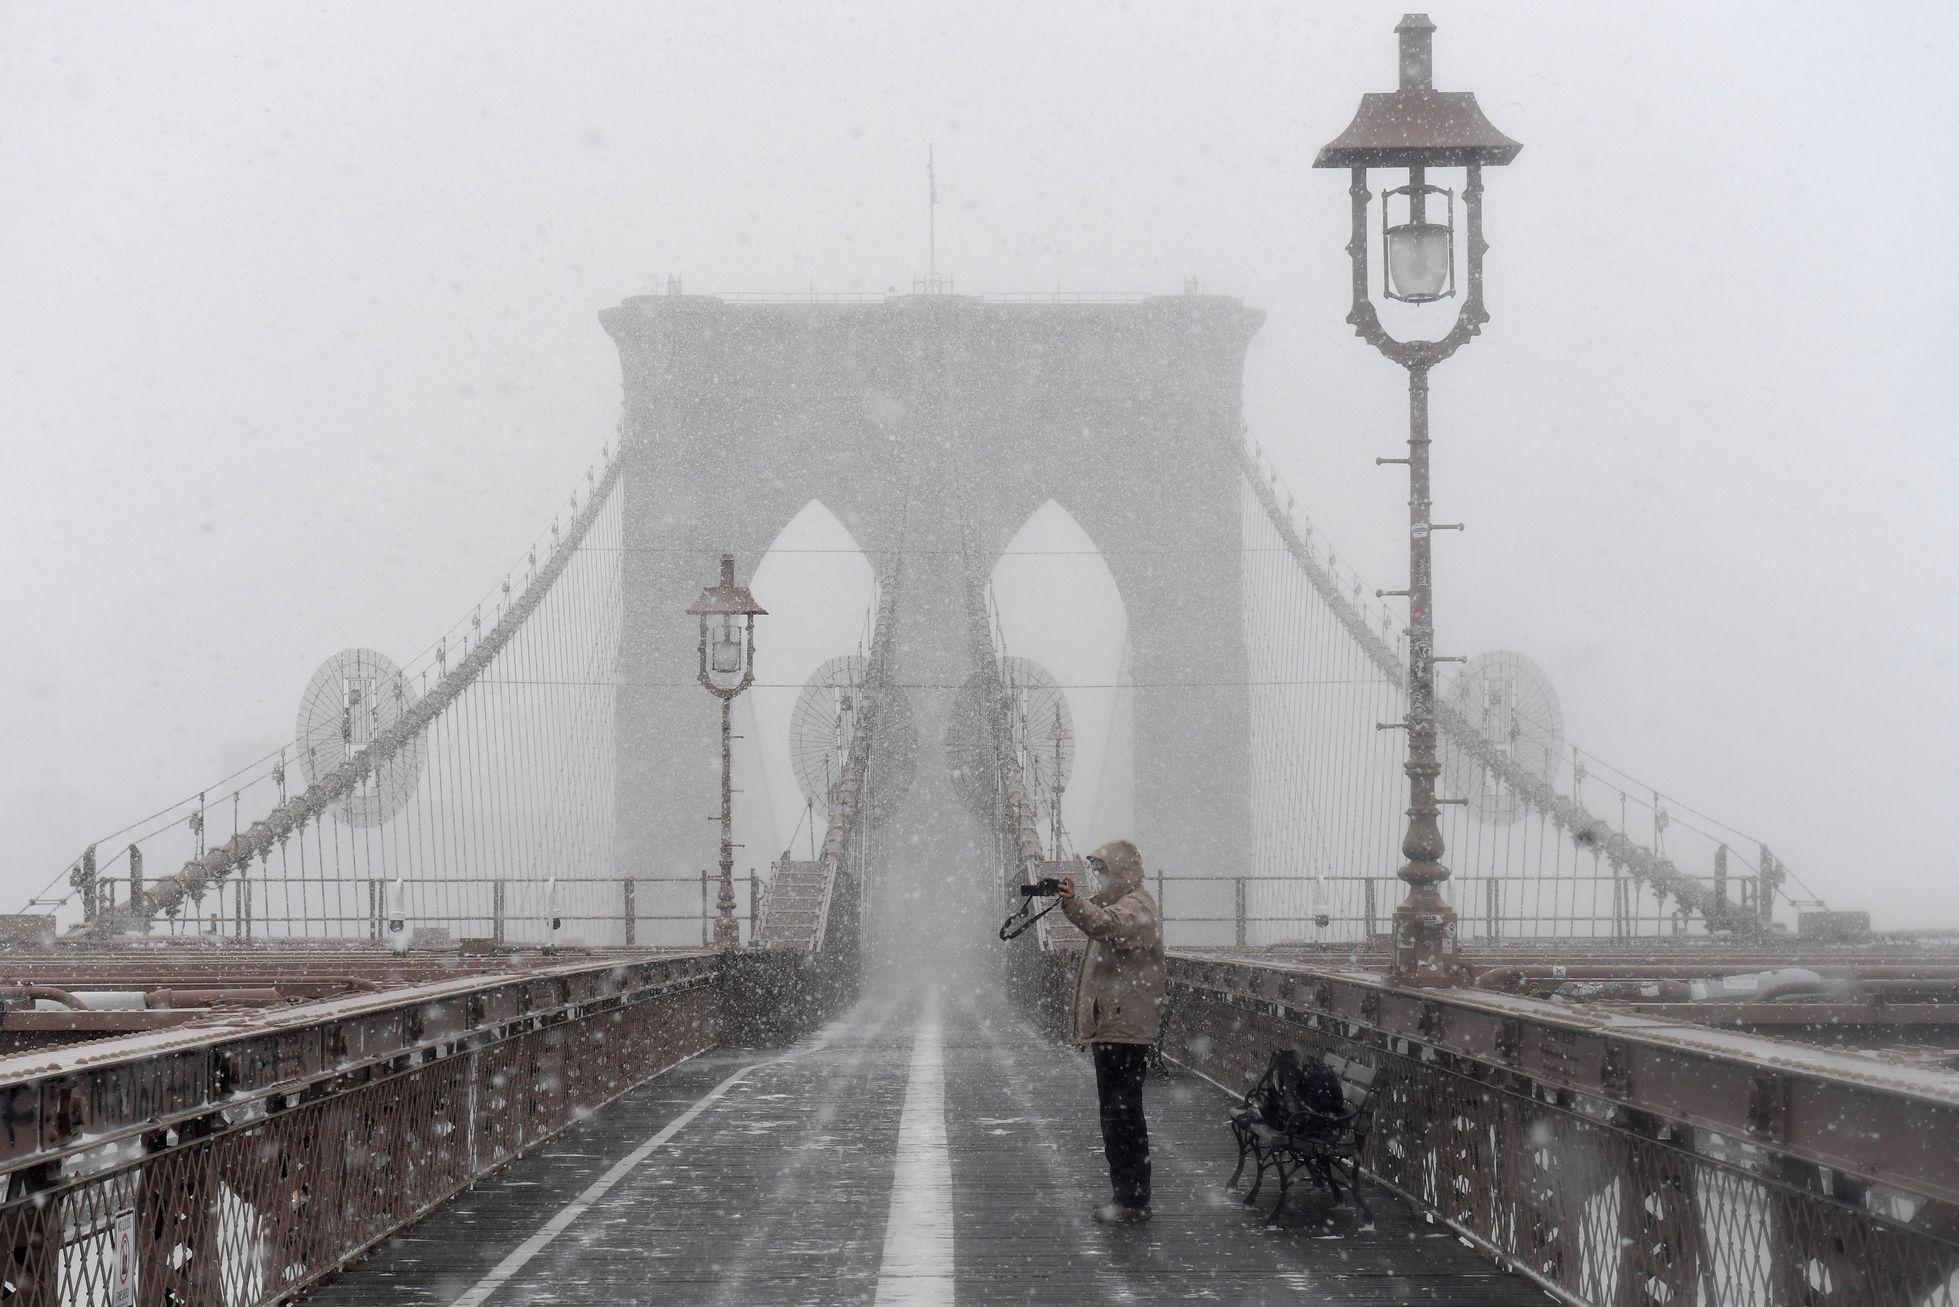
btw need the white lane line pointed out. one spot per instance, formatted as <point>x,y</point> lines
<point>917,1266</point>
<point>506,1269</point>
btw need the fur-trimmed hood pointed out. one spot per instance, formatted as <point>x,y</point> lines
<point>1125,870</point>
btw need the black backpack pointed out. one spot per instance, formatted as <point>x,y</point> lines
<point>1301,1096</point>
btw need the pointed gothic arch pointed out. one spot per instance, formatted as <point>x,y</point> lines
<point>1056,602</point>
<point>926,412</point>
<point>819,588</point>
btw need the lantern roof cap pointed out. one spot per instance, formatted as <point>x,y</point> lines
<point>727,597</point>
<point>1417,125</point>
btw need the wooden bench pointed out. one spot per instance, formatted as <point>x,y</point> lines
<point>1325,1145</point>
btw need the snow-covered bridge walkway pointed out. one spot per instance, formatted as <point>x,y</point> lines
<point>924,1149</point>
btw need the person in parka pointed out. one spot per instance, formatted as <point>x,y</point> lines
<point>1118,1012</point>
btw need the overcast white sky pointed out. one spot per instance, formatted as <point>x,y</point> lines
<point>298,347</point>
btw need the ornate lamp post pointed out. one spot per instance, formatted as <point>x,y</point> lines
<point>1416,128</point>
<point>727,612</point>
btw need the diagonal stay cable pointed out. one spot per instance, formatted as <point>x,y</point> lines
<point>311,802</point>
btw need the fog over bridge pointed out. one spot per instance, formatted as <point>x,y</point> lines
<point>640,939</point>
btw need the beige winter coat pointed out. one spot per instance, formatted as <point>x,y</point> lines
<point>1119,994</point>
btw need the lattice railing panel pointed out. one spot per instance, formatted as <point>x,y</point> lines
<point>248,1206</point>
<point>1605,1207</point>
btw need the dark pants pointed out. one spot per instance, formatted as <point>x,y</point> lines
<point>1125,1137</point>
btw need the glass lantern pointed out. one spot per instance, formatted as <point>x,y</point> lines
<point>727,612</point>
<point>725,654</point>
<point>1420,266</point>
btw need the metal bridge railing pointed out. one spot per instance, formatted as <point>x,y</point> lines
<point>238,1164</point>
<point>600,910</point>
<point>1616,1162</point>
<point>1613,1160</point>
<point>939,286</point>
<point>1261,910</point>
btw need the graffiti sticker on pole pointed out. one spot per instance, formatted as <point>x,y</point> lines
<point>122,1270</point>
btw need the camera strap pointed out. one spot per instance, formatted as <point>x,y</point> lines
<point>1010,930</point>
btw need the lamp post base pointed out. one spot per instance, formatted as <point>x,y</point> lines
<point>727,931</point>
<point>1424,942</point>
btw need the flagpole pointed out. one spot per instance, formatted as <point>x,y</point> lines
<point>932,219</point>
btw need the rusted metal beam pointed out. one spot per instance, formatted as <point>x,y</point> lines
<point>112,1021</point>
<point>194,965</point>
<point>218,996</point>
<point>1800,1014</point>
<point>1540,972</point>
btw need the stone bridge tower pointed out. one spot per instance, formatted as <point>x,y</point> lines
<point>920,409</point>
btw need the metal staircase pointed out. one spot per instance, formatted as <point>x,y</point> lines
<point>793,907</point>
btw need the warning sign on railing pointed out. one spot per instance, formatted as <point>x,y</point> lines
<point>122,1277</point>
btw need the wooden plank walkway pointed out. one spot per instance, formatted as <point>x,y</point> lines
<point>779,1191</point>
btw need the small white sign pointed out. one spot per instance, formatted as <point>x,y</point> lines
<point>122,1260</point>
